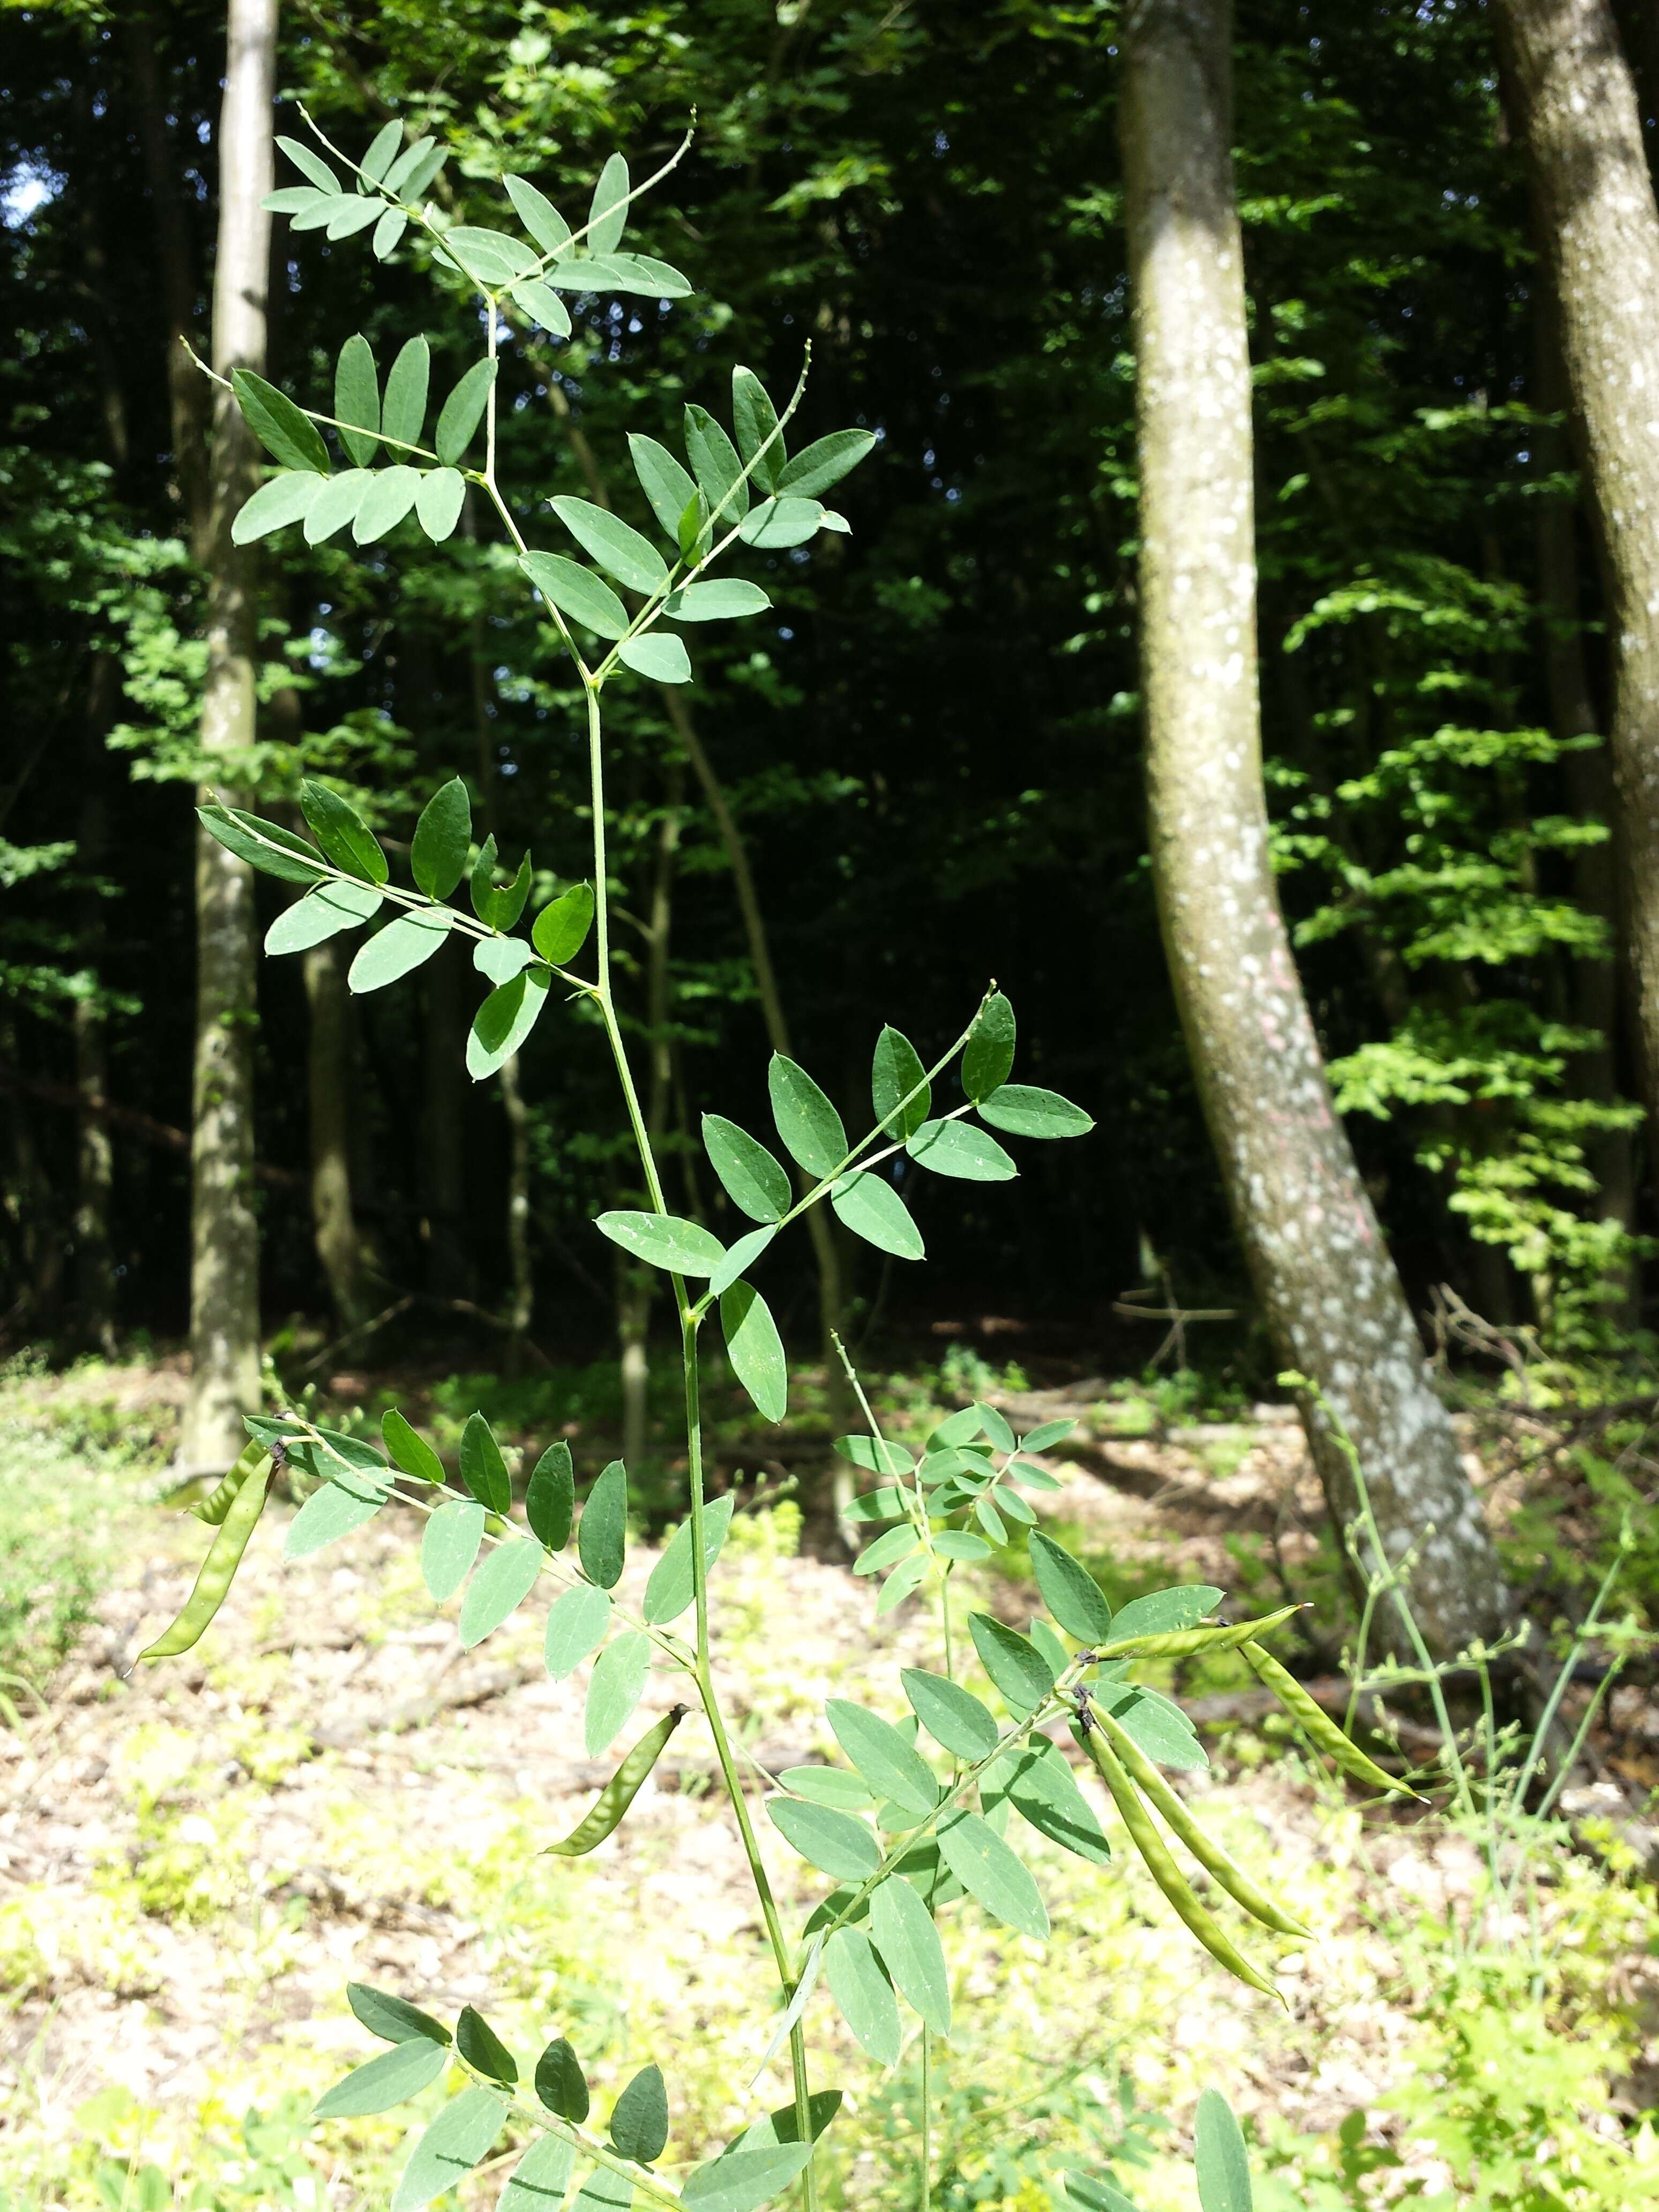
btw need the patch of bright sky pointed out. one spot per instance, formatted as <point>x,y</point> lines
<point>26,190</point>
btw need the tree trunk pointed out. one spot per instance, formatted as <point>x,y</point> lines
<point>1332,1299</point>
<point>1598,227</point>
<point>333,1217</point>
<point>224,1289</point>
<point>443,1131</point>
<point>95,1271</point>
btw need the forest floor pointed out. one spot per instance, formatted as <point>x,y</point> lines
<point>195,1856</point>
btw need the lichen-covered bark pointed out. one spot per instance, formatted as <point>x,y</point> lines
<point>224,1283</point>
<point>1569,87</point>
<point>1328,1287</point>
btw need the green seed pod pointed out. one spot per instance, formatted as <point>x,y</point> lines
<point>219,1568</point>
<point>619,1793</point>
<point>1321,1729</point>
<point>1143,1833</point>
<point>1184,1643</point>
<point>213,1508</point>
<point>1204,1848</point>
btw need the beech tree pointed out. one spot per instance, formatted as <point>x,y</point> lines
<point>1328,1286</point>
<point>224,1286</point>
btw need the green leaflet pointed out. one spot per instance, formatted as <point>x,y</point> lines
<point>1044,1792</point>
<point>639,2119</point>
<point>576,1623</point>
<point>549,1504</point>
<point>778,524</point>
<point>321,914</point>
<point>990,1052</point>
<point>960,1544</point>
<point>809,1126</point>
<point>742,2180</point>
<point>606,1813</point>
<point>859,1985</point>
<point>868,1204</point>
<point>1021,1109</point>
<point>661,656</point>
<point>669,1590</point>
<point>1157,1728</point>
<point>664,482</point>
<point>386,504</point>
<point>462,413</point>
<point>505,1020</point>
<point>291,438</point>
<point>336,504</point>
<point>755,1349</point>
<point>903,1932</point>
<point>1069,1590</point>
<point>388,232</point>
<point>876,1505</point>
<point>560,2082</point>
<point>449,1546</point>
<point>664,1240</point>
<point>1092,2194</point>
<point>828,1785</point>
<point>492,258</point>
<point>393,2078</point>
<point>478,2043</point>
<point>958,1148</point>
<point>890,1764</point>
<point>753,1178</point>
<point>754,419</point>
<point>833,1841</point>
<point>1013,1663</point>
<point>988,1870</point>
<point>620,550</point>
<point>539,2182</point>
<point>383,149</point>
<point>483,1468</point>
<point>601,1532</point>
<point>391,2018</point>
<point>715,465</point>
<point>1161,1613</point>
<point>617,1685</point>
<point>459,2137</point>
<point>498,1588</point>
<point>739,1258</point>
<point>720,599</point>
<point>602,2191</point>
<point>538,215</point>
<point>335,1510</point>
<point>875,1454</point>
<point>541,304</point>
<point>287,498</point>
<point>393,952</point>
<point>895,1072</point>
<point>951,1715</point>
<point>1047,1642</point>
<point>358,399</point>
<point>886,1550</point>
<point>825,462</point>
<point>344,837</point>
<point>607,217</point>
<point>561,928</point>
<point>443,838</point>
<point>501,958</point>
<point>498,905</point>
<point>577,592</point>
<point>438,502</point>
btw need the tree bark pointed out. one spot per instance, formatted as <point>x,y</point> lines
<point>333,1216</point>
<point>94,1158</point>
<point>224,1291</point>
<point>1598,227</point>
<point>1332,1299</point>
<point>443,1131</point>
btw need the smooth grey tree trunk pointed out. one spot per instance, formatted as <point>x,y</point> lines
<point>1570,87</point>
<point>331,1096</point>
<point>1328,1288</point>
<point>224,1286</point>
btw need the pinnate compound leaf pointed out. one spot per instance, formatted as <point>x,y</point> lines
<point>601,1532</point>
<point>958,1148</point>
<point>576,1623</point>
<point>287,498</point>
<point>392,2019</point>
<point>462,413</point>
<point>888,1763</point>
<point>321,914</point>
<point>664,1240</point>
<point>561,928</point>
<point>825,462</point>
<point>669,1591</point>
<point>1163,1613</point>
<point>290,437</point>
<point>449,1546</point>
<point>499,1589</point>
<point>344,837</point>
<point>539,2182</point>
<point>833,1841</point>
<point>989,1871</point>
<point>753,1178</point>
<point>1013,1662</point>
<point>1023,1110</point>
<point>443,838</point>
<point>660,656</point>
<point>549,1504</point>
<point>393,952</point>
<point>403,411</point>
<point>755,1349</point>
<point>664,482</point>
<point>807,1122</point>
<point>990,1052</point>
<point>903,1932</point>
<point>716,466</point>
<point>895,1072</point>
<point>951,1715</point>
<point>577,592</point>
<point>478,2043</point>
<point>620,550</point>
<point>358,399</point>
<point>721,599</point>
<point>1223,2167</point>
<point>639,2119</point>
<point>754,419</point>
<point>617,1685</point>
<point>1069,1590</point>
<point>607,217</point>
<point>560,2082</point>
<point>860,1986</point>
<point>868,1204</point>
<point>505,1020</point>
<point>391,2079</point>
<point>457,2140</point>
<point>438,502</point>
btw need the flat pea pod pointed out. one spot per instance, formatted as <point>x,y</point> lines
<point>619,1793</point>
<point>1184,1643</point>
<point>1143,1833</point>
<point>218,1569</point>
<point>1204,1848</point>
<point>1320,1728</point>
<point>213,1508</point>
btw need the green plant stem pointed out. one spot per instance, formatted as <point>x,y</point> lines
<point>927,2121</point>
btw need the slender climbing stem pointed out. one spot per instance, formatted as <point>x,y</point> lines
<point>926,2120</point>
